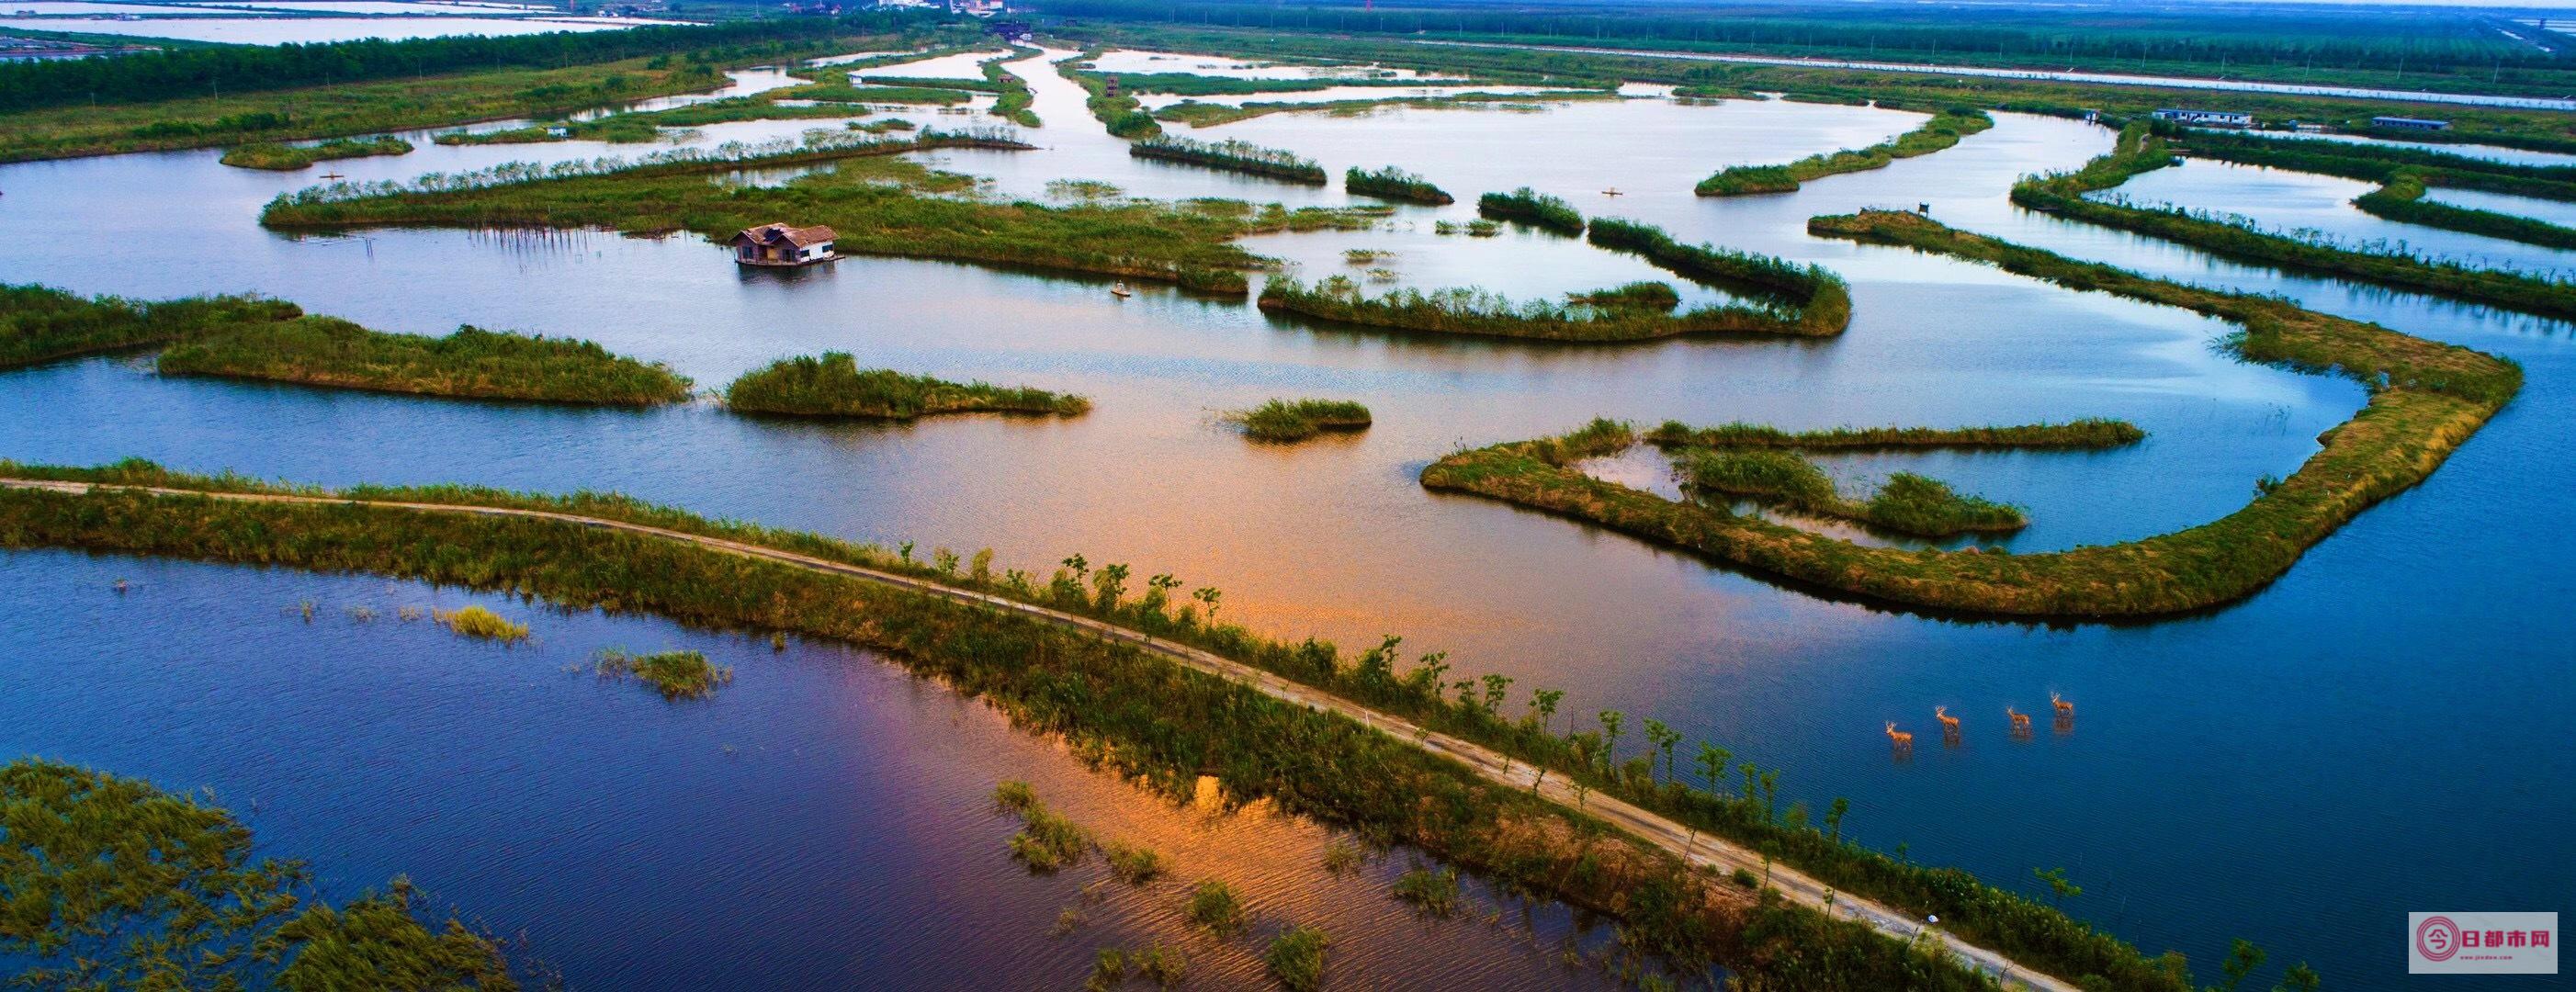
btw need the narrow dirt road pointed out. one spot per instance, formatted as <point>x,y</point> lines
<point>1486,762</point>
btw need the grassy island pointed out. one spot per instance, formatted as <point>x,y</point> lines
<point>287,158</point>
<point>1942,131</point>
<point>140,888</point>
<point>675,674</point>
<point>1637,312</point>
<point>1392,183</point>
<point>879,205</point>
<point>2091,433</point>
<point>1531,207</point>
<point>1232,156</point>
<point>1122,115</point>
<point>640,127</point>
<point>1816,301</point>
<point>472,363</point>
<point>2426,399</point>
<point>2405,175</point>
<point>834,386</point>
<point>39,324</point>
<point>1297,420</point>
<point>2140,150</point>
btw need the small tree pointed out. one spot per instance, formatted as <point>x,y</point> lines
<point>1834,817</point>
<point>2242,958</point>
<point>2060,890</point>
<point>1207,597</point>
<point>1664,739</point>
<point>1712,764</point>
<point>2300,978</point>
<point>1610,720</point>
<point>1544,703</point>
<point>1495,687</point>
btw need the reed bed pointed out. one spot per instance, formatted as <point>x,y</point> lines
<point>1392,183</point>
<point>1296,958</point>
<point>1908,504</point>
<point>1942,131</point>
<point>1475,311</point>
<point>2139,151</point>
<point>39,324</point>
<point>1820,300</point>
<point>1297,420</point>
<point>472,363</point>
<point>1232,156</point>
<point>478,622</point>
<point>1531,207</point>
<point>2091,433</point>
<point>833,385</point>
<point>278,157</point>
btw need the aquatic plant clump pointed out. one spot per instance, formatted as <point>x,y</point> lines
<point>1212,904</point>
<point>278,157</point>
<point>833,385</point>
<point>1908,503</point>
<point>1233,156</point>
<point>1297,420</point>
<point>1942,131</point>
<point>2426,399</point>
<point>40,324</point>
<point>1392,183</point>
<point>132,887</point>
<point>676,674</point>
<point>1531,207</point>
<point>476,621</point>
<point>471,363</point>
<point>1296,958</point>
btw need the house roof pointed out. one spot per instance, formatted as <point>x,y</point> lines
<point>799,236</point>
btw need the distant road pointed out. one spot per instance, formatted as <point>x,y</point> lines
<point>1493,766</point>
<point>2104,78</point>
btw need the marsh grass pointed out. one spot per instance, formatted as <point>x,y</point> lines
<point>1232,156</point>
<point>286,158</point>
<point>1907,503</point>
<point>1297,420</point>
<point>1791,298</point>
<point>1476,311</point>
<point>1212,905</point>
<point>472,363</point>
<point>1650,296</point>
<point>1531,207</point>
<point>1393,183</point>
<point>1296,958</point>
<point>834,386</point>
<point>1431,892</point>
<point>1133,865</point>
<point>676,674</point>
<point>2090,433</point>
<point>40,324</point>
<point>1047,841</point>
<point>475,621</point>
<point>1942,131</point>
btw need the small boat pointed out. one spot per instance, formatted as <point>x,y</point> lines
<point>1612,191</point>
<point>1119,289</point>
<point>333,175</point>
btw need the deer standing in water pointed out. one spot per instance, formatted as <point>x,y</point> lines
<point>1904,741</point>
<point>2020,721</point>
<point>2065,710</point>
<point>1949,724</point>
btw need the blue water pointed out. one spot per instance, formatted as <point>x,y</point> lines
<point>2376,733</point>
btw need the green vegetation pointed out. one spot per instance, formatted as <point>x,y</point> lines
<point>1536,209</point>
<point>1121,114</point>
<point>2402,200</point>
<point>1435,893</point>
<point>1296,958</point>
<point>1647,295</point>
<point>2091,433</point>
<point>1199,115</point>
<point>1232,156</point>
<point>834,386</point>
<point>1392,183</point>
<point>677,674</point>
<point>1908,503</point>
<point>1213,905</point>
<point>1942,131</point>
<point>2140,151</point>
<point>1635,312</point>
<point>1297,420</point>
<point>40,324</point>
<point>1047,840</point>
<point>638,127</point>
<point>1133,865</point>
<point>476,621</point>
<point>2426,399</point>
<point>471,363</point>
<point>286,158</point>
<point>1138,715</point>
<point>877,209</point>
<point>2406,175</point>
<point>846,93</point>
<point>115,884</point>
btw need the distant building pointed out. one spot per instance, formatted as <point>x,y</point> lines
<point>2206,118</point>
<point>2409,124</point>
<point>779,244</point>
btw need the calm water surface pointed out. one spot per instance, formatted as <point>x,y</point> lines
<point>2301,769</point>
<point>824,821</point>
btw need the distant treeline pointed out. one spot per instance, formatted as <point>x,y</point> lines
<point>245,68</point>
